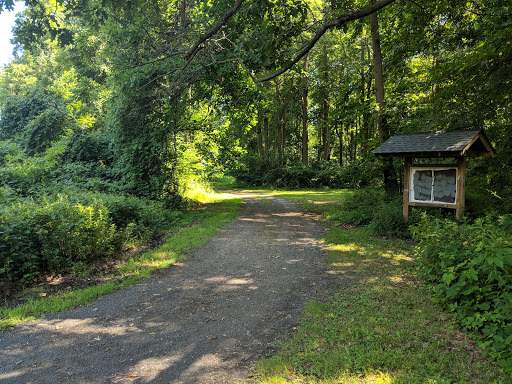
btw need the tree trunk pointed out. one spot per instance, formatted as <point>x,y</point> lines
<point>279,135</point>
<point>266,138</point>
<point>390,183</point>
<point>339,133</point>
<point>260,134</point>
<point>365,121</point>
<point>305,136</point>
<point>281,124</point>
<point>326,130</point>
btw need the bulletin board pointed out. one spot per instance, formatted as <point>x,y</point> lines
<point>437,185</point>
<point>433,185</point>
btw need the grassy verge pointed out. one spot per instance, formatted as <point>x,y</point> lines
<point>198,227</point>
<point>384,328</point>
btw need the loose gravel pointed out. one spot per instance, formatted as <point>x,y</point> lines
<point>206,320</point>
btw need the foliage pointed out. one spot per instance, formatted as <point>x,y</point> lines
<point>320,174</point>
<point>388,220</point>
<point>51,236</point>
<point>55,232</point>
<point>194,230</point>
<point>470,269</point>
<point>373,209</point>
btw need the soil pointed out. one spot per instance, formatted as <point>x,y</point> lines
<point>206,320</point>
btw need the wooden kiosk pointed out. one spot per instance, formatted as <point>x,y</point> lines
<point>438,185</point>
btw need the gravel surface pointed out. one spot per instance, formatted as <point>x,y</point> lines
<point>206,320</point>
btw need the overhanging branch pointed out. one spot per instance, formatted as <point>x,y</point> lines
<point>337,22</point>
<point>231,11</point>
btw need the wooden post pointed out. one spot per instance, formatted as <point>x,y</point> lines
<point>461,182</point>
<point>407,172</point>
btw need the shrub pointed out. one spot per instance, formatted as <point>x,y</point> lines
<point>56,232</point>
<point>364,172</point>
<point>51,236</point>
<point>359,209</point>
<point>470,269</point>
<point>388,220</point>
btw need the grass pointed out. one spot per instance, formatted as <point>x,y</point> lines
<point>198,226</point>
<point>382,328</point>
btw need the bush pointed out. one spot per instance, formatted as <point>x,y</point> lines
<point>470,269</point>
<point>54,233</point>
<point>364,172</point>
<point>359,209</point>
<point>373,209</point>
<point>51,236</point>
<point>388,220</point>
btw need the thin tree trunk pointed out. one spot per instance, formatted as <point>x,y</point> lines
<point>326,132</point>
<point>364,116</point>
<point>305,135</point>
<point>279,135</point>
<point>260,135</point>
<point>390,183</point>
<point>339,133</point>
<point>281,123</point>
<point>266,138</point>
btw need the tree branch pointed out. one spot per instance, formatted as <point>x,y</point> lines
<point>202,38</point>
<point>325,27</point>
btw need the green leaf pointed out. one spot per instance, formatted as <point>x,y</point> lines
<point>448,278</point>
<point>495,261</point>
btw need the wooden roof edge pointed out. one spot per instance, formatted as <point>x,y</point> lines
<point>422,154</point>
<point>436,154</point>
<point>485,141</point>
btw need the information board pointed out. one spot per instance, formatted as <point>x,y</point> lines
<point>431,185</point>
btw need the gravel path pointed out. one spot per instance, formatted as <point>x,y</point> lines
<point>204,321</point>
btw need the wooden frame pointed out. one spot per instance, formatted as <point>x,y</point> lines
<point>460,166</point>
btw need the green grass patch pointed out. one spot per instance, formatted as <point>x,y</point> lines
<point>381,328</point>
<point>197,227</point>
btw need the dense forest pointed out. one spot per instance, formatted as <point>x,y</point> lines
<point>117,114</point>
<point>146,98</point>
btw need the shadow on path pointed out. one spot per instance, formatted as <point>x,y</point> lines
<point>204,321</point>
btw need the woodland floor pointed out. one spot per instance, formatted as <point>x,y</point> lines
<point>206,320</point>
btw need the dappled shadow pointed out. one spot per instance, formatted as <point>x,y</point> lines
<point>385,328</point>
<point>204,321</point>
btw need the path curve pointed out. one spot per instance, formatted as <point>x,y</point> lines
<point>204,321</point>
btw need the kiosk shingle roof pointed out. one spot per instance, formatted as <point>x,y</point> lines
<point>437,144</point>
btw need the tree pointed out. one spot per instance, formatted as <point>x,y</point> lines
<point>389,170</point>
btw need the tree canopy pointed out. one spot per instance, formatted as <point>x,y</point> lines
<point>196,85</point>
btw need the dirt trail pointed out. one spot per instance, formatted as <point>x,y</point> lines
<point>204,321</point>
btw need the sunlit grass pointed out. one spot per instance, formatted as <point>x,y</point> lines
<point>381,327</point>
<point>198,227</point>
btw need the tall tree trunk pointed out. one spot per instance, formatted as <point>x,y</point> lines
<point>305,135</point>
<point>281,123</point>
<point>326,129</point>
<point>390,183</point>
<point>339,133</point>
<point>266,138</point>
<point>364,117</point>
<point>279,135</point>
<point>354,142</point>
<point>260,134</point>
